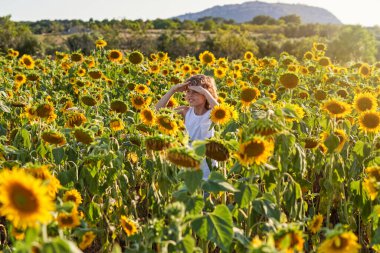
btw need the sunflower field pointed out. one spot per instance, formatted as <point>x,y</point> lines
<point>88,165</point>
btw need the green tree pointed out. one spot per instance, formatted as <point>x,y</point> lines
<point>291,19</point>
<point>264,20</point>
<point>353,43</point>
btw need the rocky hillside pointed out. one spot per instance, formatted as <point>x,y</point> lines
<point>246,11</point>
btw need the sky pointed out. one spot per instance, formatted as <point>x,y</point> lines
<point>362,12</point>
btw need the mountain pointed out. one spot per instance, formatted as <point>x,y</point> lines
<point>246,11</point>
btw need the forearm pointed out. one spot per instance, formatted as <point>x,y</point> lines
<point>210,99</point>
<point>164,99</point>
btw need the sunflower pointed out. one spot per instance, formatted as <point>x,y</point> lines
<point>207,58</point>
<point>166,124</point>
<point>342,136</point>
<point>75,119</point>
<point>83,135</point>
<point>308,55</point>
<point>248,56</point>
<point>293,112</point>
<point>88,100</point>
<point>186,68</point>
<point>142,89</point>
<point>53,137</point>
<point>74,196</point>
<point>136,57</point>
<point>115,55</point>
<point>147,116</point>
<point>183,157</point>
<point>311,142</point>
<point>289,80</point>
<point>248,95</point>
<point>76,57</point>
<point>162,56</point>
<point>289,241</point>
<point>365,70</point>
<point>95,74</point>
<point>216,150</point>
<point>222,114</point>
<point>139,102</point>
<point>172,103</point>
<point>119,106</point>
<point>370,186</point>
<point>365,102</point>
<point>316,223</point>
<point>319,46</point>
<point>20,79</point>
<point>68,220</point>
<point>24,199</point>
<point>100,43</point>
<point>116,124</point>
<point>129,226</point>
<point>81,72</point>
<point>369,121</point>
<point>324,61</point>
<point>257,150</point>
<point>157,142</point>
<point>336,108</point>
<point>27,61</point>
<point>87,239</point>
<point>345,242</point>
<point>320,95</point>
<point>265,127</point>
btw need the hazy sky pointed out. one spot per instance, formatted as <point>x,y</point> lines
<point>364,12</point>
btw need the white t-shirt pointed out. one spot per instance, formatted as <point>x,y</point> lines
<point>198,128</point>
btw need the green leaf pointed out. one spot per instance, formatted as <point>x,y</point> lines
<point>199,147</point>
<point>26,138</point>
<point>58,154</point>
<point>59,245</point>
<point>192,178</point>
<point>359,148</point>
<point>216,227</point>
<point>187,244</point>
<point>246,194</point>
<point>217,183</point>
<point>332,142</point>
<point>94,211</point>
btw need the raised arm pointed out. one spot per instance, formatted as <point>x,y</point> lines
<point>165,98</point>
<point>210,99</point>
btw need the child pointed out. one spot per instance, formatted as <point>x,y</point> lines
<point>202,97</point>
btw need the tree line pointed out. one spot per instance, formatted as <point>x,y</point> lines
<point>263,35</point>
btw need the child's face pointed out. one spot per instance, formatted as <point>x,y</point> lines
<point>194,98</point>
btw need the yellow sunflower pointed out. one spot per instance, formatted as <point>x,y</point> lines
<point>100,43</point>
<point>365,70</point>
<point>75,119</point>
<point>54,137</point>
<point>316,223</point>
<point>346,242</point>
<point>293,112</point>
<point>186,68</point>
<point>83,135</point>
<point>95,74</point>
<point>289,80</point>
<point>222,114</point>
<point>319,46</point>
<point>116,124</point>
<point>257,150</point>
<point>24,199</point>
<point>248,95</point>
<point>147,116</point>
<point>336,108</point>
<point>76,57</point>
<point>27,61</point>
<point>74,196</point>
<point>129,226</point>
<point>342,136</point>
<point>248,56</point>
<point>68,220</point>
<point>324,61</point>
<point>87,239</point>
<point>207,58</point>
<point>20,79</point>
<point>183,157</point>
<point>365,102</point>
<point>142,89</point>
<point>166,124</point>
<point>369,121</point>
<point>139,102</point>
<point>289,241</point>
<point>115,55</point>
<point>136,57</point>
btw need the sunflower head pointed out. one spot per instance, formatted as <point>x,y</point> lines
<point>256,150</point>
<point>100,43</point>
<point>166,124</point>
<point>158,142</point>
<point>88,100</point>
<point>207,58</point>
<point>53,137</point>
<point>76,57</point>
<point>119,106</point>
<point>136,57</point>
<point>342,242</point>
<point>216,150</point>
<point>115,55</point>
<point>289,240</point>
<point>95,74</point>
<point>75,119</point>
<point>128,225</point>
<point>223,113</point>
<point>248,95</point>
<point>369,121</point>
<point>365,102</point>
<point>83,135</point>
<point>336,108</point>
<point>289,80</point>
<point>147,116</point>
<point>73,196</point>
<point>324,61</point>
<point>183,157</point>
<point>68,220</point>
<point>311,142</point>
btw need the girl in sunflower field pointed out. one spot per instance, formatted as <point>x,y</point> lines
<point>201,95</point>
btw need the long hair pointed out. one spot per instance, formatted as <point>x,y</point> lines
<point>206,82</point>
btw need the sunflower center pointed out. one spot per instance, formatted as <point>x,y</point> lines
<point>254,149</point>
<point>23,199</point>
<point>364,104</point>
<point>248,95</point>
<point>27,61</point>
<point>67,220</point>
<point>371,121</point>
<point>340,243</point>
<point>114,55</point>
<point>72,198</point>
<point>128,226</point>
<point>364,71</point>
<point>139,101</point>
<point>148,116</point>
<point>335,108</point>
<point>165,123</point>
<point>220,114</point>
<point>207,58</point>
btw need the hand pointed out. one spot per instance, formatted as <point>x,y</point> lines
<point>179,87</point>
<point>198,89</point>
